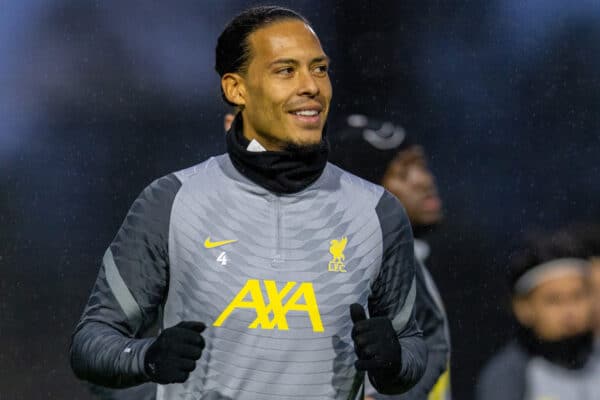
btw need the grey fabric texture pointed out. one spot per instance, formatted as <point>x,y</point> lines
<point>145,391</point>
<point>513,374</point>
<point>503,377</point>
<point>432,320</point>
<point>545,380</point>
<point>394,291</point>
<point>120,290</point>
<point>272,276</point>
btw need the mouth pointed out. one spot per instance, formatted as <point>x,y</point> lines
<point>432,203</point>
<point>308,117</point>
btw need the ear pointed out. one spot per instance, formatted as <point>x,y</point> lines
<point>234,89</point>
<point>522,310</point>
<point>228,120</point>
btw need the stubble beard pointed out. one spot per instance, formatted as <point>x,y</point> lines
<point>303,148</point>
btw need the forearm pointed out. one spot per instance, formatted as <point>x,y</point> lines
<point>438,348</point>
<point>105,356</point>
<point>414,362</point>
<point>436,365</point>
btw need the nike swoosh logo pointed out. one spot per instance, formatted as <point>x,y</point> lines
<point>209,245</point>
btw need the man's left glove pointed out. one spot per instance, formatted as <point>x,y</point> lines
<point>173,355</point>
<point>376,345</point>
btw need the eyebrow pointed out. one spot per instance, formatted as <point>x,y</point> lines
<point>295,62</point>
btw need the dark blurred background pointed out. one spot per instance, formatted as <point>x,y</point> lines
<point>98,98</point>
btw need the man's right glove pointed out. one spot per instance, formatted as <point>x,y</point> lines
<point>173,354</point>
<point>377,347</point>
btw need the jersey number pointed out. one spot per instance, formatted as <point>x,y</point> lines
<point>222,258</point>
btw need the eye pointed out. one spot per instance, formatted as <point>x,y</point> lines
<point>285,71</point>
<point>321,69</point>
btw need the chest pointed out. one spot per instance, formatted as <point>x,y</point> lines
<point>549,382</point>
<point>271,263</point>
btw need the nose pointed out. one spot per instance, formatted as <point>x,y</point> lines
<point>573,317</point>
<point>422,177</point>
<point>307,84</point>
<point>570,323</point>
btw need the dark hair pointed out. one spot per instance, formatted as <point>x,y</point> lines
<point>588,235</point>
<point>541,247</point>
<point>233,50</point>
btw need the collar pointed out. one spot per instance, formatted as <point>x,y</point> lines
<point>570,353</point>
<point>255,146</point>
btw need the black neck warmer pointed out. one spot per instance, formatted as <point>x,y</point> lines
<point>288,171</point>
<point>570,353</point>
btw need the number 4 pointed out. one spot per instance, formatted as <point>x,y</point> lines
<point>222,258</point>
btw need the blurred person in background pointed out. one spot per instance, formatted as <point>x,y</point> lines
<point>593,248</point>
<point>588,238</point>
<point>551,356</point>
<point>383,153</point>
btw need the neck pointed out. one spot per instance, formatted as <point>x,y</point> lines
<point>421,231</point>
<point>571,353</point>
<point>289,170</point>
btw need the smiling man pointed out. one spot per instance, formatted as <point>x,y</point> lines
<point>284,93</point>
<point>259,263</point>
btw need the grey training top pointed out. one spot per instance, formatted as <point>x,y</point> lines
<point>513,374</point>
<point>272,276</point>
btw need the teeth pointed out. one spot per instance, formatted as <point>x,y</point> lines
<point>307,113</point>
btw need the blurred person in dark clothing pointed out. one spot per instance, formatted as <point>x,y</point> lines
<point>593,247</point>
<point>551,356</point>
<point>588,238</point>
<point>383,153</point>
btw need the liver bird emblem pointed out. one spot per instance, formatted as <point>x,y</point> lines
<point>337,251</point>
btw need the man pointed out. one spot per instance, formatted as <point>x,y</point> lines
<point>258,263</point>
<point>588,238</point>
<point>551,356</point>
<point>382,152</point>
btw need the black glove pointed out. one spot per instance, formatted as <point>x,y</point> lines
<point>173,354</point>
<point>376,345</point>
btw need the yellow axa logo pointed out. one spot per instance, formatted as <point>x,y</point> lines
<point>337,251</point>
<point>275,305</point>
